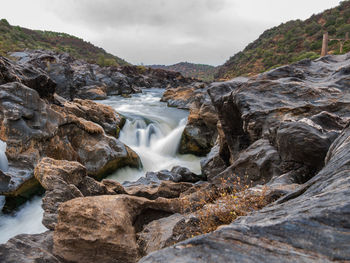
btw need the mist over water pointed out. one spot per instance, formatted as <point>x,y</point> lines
<point>153,131</point>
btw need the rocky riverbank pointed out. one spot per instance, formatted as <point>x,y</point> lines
<point>278,153</point>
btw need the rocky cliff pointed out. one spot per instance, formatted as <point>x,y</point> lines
<point>274,186</point>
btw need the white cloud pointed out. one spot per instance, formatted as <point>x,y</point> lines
<point>162,31</point>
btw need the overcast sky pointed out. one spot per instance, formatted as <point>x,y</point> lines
<point>162,31</point>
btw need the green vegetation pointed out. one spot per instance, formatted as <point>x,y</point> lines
<point>290,42</point>
<point>198,71</point>
<point>15,38</point>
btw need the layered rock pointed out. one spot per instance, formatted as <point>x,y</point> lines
<point>78,79</point>
<point>28,249</point>
<point>310,224</point>
<point>200,133</point>
<point>299,109</point>
<point>34,128</point>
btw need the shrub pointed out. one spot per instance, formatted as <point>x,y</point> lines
<point>225,204</point>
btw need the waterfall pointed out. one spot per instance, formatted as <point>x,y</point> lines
<point>4,166</point>
<point>154,132</point>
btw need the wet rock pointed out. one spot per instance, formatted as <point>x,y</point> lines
<point>104,115</point>
<point>29,249</point>
<point>78,79</point>
<point>260,107</point>
<point>310,224</point>
<point>258,164</point>
<point>32,77</point>
<point>34,129</point>
<point>103,228</point>
<point>304,144</point>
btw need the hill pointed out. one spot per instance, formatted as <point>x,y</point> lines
<point>15,38</point>
<point>290,42</point>
<point>198,71</point>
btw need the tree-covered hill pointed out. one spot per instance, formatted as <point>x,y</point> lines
<point>198,71</point>
<point>290,42</point>
<point>15,38</point>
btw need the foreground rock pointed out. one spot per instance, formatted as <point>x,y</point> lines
<point>103,228</point>
<point>63,181</point>
<point>28,249</point>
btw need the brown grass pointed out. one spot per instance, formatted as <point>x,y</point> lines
<point>226,204</point>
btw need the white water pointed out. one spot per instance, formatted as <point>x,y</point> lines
<point>27,220</point>
<point>3,159</point>
<point>153,131</point>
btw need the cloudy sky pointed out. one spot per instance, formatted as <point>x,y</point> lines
<point>162,31</point>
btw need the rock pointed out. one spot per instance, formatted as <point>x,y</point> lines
<point>165,232</point>
<point>104,115</point>
<point>78,79</point>
<point>302,143</point>
<point>258,164</point>
<point>313,96</point>
<point>92,92</point>
<point>63,181</point>
<point>29,249</point>
<point>103,228</point>
<point>213,164</point>
<point>310,224</point>
<point>28,75</point>
<point>33,129</point>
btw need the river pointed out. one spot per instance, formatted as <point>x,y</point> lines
<point>152,130</point>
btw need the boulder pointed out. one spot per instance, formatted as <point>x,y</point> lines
<point>29,249</point>
<point>284,109</point>
<point>103,228</point>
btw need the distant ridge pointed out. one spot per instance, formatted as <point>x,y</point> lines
<point>198,71</point>
<point>15,38</point>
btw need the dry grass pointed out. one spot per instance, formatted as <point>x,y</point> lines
<point>226,204</point>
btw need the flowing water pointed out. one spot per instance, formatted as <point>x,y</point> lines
<point>152,129</point>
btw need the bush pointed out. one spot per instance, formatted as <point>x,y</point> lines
<point>224,204</point>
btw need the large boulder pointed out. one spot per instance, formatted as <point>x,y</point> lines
<point>300,114</point>
<point>308,225</point>
<point>63,181</point>
<point>103,228</point>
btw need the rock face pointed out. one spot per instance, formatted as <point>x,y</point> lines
<point>28,249</point>
<point>103,228</point>
<point>200,133</point>
<point>281,128</point>
<point>78,79</point>
<point>310,225</point>
<point>34,127</point>
<point>299,109</point>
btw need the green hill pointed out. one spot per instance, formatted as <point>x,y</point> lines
<point>290,42</point>
<point>198,71</point>
<point>15,38</point>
